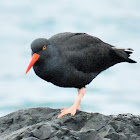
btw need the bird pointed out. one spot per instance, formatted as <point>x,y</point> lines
<point>73,60</point>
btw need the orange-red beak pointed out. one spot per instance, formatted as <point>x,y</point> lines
<point>35,57</point>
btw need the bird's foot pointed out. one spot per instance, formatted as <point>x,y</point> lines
<point>65,109</point>
<point>76,105</point>
<point>71,110</point>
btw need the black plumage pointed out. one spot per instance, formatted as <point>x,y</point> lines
<point>74,59</point>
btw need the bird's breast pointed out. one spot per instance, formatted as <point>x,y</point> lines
<point>62,74</point>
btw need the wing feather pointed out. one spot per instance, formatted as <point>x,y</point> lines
<point>84,52</point>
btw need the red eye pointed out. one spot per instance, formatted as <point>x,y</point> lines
<point>44,48</point>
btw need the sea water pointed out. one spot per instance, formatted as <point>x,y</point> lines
<point>116,90</point>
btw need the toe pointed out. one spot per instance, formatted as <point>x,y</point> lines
<point>61,115</point>
<point>64,109</point>
<point>73,112</point>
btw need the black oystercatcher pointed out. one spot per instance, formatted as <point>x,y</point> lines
<point>74,60</point>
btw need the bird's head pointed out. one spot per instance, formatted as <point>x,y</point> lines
<point>39,48</point>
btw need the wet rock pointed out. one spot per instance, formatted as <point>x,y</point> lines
<point>42,124</point>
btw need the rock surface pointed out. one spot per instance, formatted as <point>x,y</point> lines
<point>42,124</point>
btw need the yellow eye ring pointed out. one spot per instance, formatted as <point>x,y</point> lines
<point>44,48</point>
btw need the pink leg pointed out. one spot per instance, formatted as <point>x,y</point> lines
<point>79,108</point>
<point>75,106</point>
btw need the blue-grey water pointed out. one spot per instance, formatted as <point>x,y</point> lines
<point>116,90</point>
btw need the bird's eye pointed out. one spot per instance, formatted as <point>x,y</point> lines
<point>44,48</point>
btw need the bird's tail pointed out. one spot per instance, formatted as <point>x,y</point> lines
<point>125,54</point>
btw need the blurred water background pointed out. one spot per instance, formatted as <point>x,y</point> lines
<point>116,90</point>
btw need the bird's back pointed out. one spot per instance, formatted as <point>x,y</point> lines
<point>86,53</point>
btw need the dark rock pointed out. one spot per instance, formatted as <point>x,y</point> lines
<point>42,124</point>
